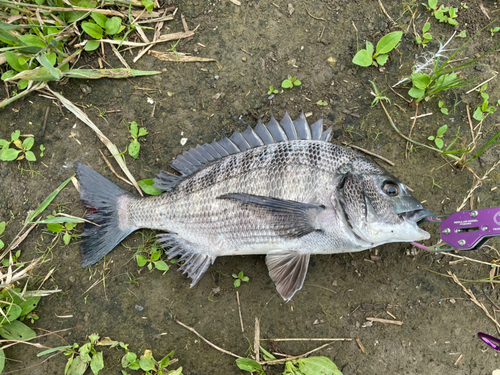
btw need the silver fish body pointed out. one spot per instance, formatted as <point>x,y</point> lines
<point>287,198</point>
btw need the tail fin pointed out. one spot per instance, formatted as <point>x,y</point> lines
<point>106,205</point>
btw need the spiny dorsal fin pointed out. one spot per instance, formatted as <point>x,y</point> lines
<point>286,130</point>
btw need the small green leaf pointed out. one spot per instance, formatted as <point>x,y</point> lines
<point>245,279</point>
<point>99,19</point>
<point>92,45</point>
<point>161,265</point>
<point>430,138</point>
<point>95,31</point>
<point>248,364</point>
<point>433,4</point>
<point>15,135</point>
<point>22,84</point>
<point>462,34</point>
<point>381,59</point>
<point>237,283</point>
<point>452,22</point>
<point>133,129</point>
<point>478,115</point>
<point>147,186</point>
<point>150,266</point>
<point>12,312</point>
<point>9,154</point>
<point>16,331</point>
<point>148,4</point>
<point>426,27</point>
<point>67,238</point>
<point>427,37</point>
<point>444,111</point>
<point>369,47</point>
<point>317,365</point>
<point>30,156</point>
<point>141,260</point>
<point>142,132</point>
<point>33,41</point>
<point>56,73</point>
<point>1,244</point>
<point>28,143</point>
<point>113,25</point>
<point>416,92</point>
<point>134,148</point>
<point>55,228</point>
<point>442,130</point>
<point>420,80</point>
<point>388,42</point>
<point>13,61</point>
<point>286,84</point>
<point>147,363</point>
<point>8,74</point>
<point>97,363</point>
<point>439,143</point>
<point>2,227</point>
<point>2,360</point>
<point>155,256</point>
<point>362,58</point>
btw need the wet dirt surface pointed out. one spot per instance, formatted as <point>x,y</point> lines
<point>258,44</point>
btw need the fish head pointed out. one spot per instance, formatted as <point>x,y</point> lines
<point>378,208</point>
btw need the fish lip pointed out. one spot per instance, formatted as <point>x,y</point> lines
<point>416,215</point>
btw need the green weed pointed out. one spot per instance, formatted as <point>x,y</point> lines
<point>323,103</point>
<point>303,366</point>
<point>239,278</point>
<point>438,138</point>
<point>290,82</point>
<point>494,30</point>
<point>442,108</point>
<point>426,36</point>
<point>386,44</point>
<point>22,150</point>
<point>135,132</point>
<point>442,13</point>
<point>484,107</point>
<point>99,26</point>
<point>272,90</point>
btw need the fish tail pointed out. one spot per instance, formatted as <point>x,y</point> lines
<point>107,211</point>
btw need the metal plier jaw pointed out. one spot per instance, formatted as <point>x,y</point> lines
<point>466,230</point>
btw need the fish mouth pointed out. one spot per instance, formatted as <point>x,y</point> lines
<point>415,215</point>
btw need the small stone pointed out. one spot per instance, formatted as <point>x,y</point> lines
<point>332,61</point>
<point>452,301</point>
<point>139,307</point>
<point>5,173</point>
<point>72,279</point>
<point>26,206</point>
<point>244,59</point>
<point>85,89</point>
<point>217,77</point>
<point>479,68</point>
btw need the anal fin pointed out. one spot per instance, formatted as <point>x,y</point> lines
<point>288,271</point>
<point>195,264</point>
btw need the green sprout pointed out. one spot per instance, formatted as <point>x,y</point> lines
<point>322,103</point>
<point>290,82</point>
<point>480,111</point>
<point>442,108</point>
<point>386,44</point>
<point>442,13</point>
<point>135,132</point>
<point>272,90</point>
<point>378,95</point>
<point>426,36</point>
<point>494,30</point>
<point>239,278</point>
<point>438,139</point>
<point>23,148</point>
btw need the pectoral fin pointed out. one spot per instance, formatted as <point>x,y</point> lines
<point>287,218</point>
<point>288,271</point>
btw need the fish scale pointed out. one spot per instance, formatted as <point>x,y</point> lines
<point>280,189</point>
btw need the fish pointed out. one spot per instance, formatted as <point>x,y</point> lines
<point>280,189</point>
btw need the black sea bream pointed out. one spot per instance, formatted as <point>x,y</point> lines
<point>280,189</point>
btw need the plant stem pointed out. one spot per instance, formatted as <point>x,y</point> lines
<point>411,140</point>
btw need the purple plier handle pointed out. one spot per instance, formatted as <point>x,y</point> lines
<point>469,230</point>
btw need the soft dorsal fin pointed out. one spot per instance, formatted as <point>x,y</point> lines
<point>286,130</point>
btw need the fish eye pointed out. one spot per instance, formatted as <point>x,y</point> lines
<point>390,188</point>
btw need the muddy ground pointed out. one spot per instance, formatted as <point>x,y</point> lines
<point>258,44</point>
